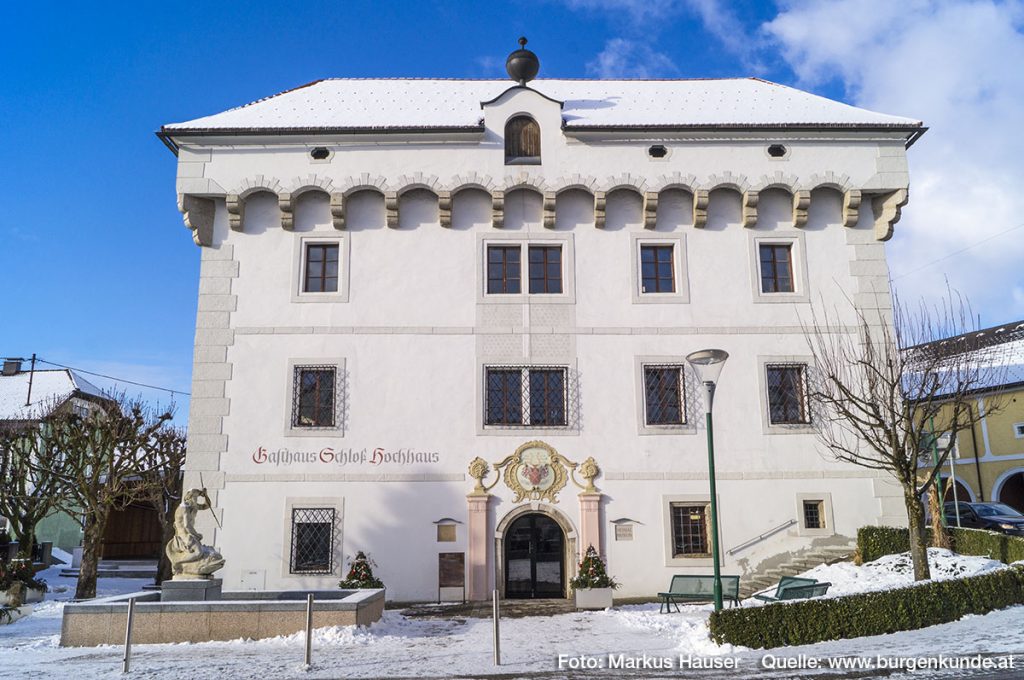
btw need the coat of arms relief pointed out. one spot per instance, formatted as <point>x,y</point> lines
<point>535,472</point>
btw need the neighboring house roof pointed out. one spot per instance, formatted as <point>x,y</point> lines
<point>382,104</point>
<point>49,387</point>
<point>997,352</point>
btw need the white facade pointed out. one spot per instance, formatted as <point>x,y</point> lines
<point>411,330</point>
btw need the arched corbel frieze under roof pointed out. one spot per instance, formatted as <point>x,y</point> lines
<point>801,197</point>
<point>235,201</point>
<point>471,181</point>
<point>638,185</point>
<point>529,182</point>
<point>680,182</point>
<point>198,212</point>
<point>741,185</point>
<point>586,184</point>
<point>841,183</point>
<point>300,186</point>
<point>420,182</point>
<point>352,185</point>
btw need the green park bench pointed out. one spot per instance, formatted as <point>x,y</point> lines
<point>698,589</point>
<point>796,588</point>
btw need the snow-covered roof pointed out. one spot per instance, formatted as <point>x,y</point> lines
<point>49,387</point>
<point>362,104</point>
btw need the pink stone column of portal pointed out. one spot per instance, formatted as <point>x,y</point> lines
<point>476,583</point>
<point>590,522</point>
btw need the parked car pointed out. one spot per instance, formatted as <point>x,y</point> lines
<point>992,516</point>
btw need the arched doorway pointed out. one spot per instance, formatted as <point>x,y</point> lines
<point>962,493</point>
<point>1012,491</point>
<point>534,557</point>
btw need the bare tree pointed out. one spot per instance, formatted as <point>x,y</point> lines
<point>883,390</point>
<point>162,482</point>
<point>104,469</point>
<point>29,490</point>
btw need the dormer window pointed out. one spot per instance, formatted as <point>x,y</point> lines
<point>522,141</point>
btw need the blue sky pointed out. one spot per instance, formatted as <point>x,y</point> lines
<point>99,272</point>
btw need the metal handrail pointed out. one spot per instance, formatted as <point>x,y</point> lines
<point>761,537</point>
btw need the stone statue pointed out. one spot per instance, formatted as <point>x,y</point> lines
<point>190,559</point>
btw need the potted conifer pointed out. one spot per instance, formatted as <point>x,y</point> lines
<point>360,574</point>
<point>592,586</point>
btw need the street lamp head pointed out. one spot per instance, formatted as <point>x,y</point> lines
<point>708,364</point>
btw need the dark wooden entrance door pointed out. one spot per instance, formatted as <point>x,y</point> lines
<point>534,558</point>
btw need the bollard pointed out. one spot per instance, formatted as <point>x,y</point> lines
<point>309,630</point>
<point>497,636</point>
<point>126,661</point>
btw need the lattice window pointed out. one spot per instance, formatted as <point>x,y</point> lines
<point>313,538</point>
<point>776,267</point>
<point>321,268</point>
<point>814,518</point>
<point>503,269</point>
<point>787,394</point>
<point>522,141</point>
<point>689,530</point>
<point>657,269</point>
<point>314,397</point>
<point>545,269</point>
<point>664,394</point>
<point>535,396</point>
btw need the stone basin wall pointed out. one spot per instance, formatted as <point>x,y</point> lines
<point>251,615</point>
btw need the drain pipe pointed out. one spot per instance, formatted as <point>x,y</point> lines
<point>977,465</point>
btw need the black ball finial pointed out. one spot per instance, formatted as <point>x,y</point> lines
<point>522,65</point>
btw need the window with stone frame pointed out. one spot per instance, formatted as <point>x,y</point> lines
<point>787,394</point>
<point>690,530</point>
<point>522,141</point>
<point>776,262</point>
<point>313,537</point>
<point>314,399</point>
<point>657,269</point>
<point>664,394</point>
<point>814,514</point>
<point>321,268</point>
<point>504,269</point>
<point>545,269</point>
<point>530,396</point>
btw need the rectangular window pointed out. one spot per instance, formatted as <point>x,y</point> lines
<point>526,395</point>
<point>787,394</point>
<point>1018,430</point>
<point>321,268</point>
<point>314,396</point>
<point>689,530</point>
<point>657,270</point>
<point>776,268</point>
<point>545,269</point>
<point>503,269</point>
<point>664,395</point>
<point>312,541</point>
<point>814,518</point>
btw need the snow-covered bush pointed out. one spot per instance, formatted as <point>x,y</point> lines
<point>875,613</point>
<point>592,573</point>
<point>360,574</point>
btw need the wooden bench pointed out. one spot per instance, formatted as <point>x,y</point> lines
<point>796,588</point>
<point>698,589</point>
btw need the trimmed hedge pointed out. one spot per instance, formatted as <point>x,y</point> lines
<point>874,542</point>
<point>805,622</point>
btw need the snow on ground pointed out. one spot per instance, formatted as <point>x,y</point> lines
<point>895,571</point>
<point>399,646</point>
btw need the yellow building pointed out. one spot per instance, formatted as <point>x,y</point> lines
<point>988,461</point>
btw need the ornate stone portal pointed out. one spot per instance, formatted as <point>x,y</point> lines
<point>536,472</point>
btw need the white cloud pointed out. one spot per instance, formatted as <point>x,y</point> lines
<point>639,11</point>
<point>956,66</point>
<point>622,58</point>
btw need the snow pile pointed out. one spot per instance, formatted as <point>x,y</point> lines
<point>689,626</point>
<point>897,571</point>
